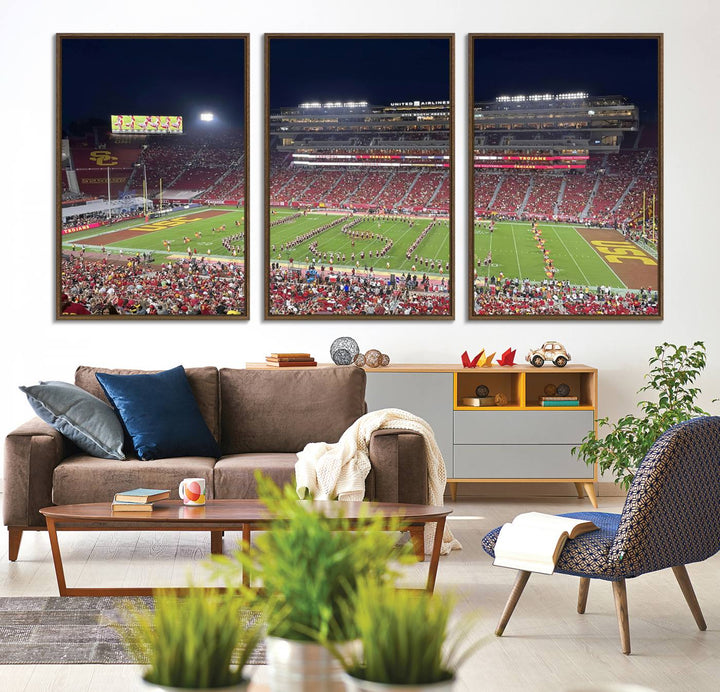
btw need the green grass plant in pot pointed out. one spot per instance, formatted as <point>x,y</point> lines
<point>309,564</point>
<point>673,372</point>
<point>406,644</point>
<point>198,641</point>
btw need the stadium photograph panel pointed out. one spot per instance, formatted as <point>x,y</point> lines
<point>152,166</point>
<point>565,173</point>
<point>359,176</point>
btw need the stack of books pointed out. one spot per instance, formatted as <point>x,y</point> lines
<point>290,360</point>
<point>559,401</point>
<point>138,500</point>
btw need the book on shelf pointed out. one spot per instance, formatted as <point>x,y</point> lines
<point>289,359</point>
<point>301,356</point>
<point>558,398</point>
<point>131,506</point>
<point>141,496</point>
<point>290,363</point>
<point>565,402</point>
<point>533,541</point>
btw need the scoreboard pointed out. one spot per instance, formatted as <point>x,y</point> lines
<point>146,124</point>
<point>541,162</point>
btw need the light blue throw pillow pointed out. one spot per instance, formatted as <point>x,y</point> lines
<point>83,418</point>
<point>160,413</point>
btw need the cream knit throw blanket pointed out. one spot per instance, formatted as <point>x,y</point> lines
<point>339,470</point>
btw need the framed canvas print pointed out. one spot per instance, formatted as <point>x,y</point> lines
<point>359,176</point>
<point>565,172</point>
<point>152,163</point>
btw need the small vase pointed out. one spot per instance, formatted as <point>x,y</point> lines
<point>238,687</point>
<point>299,666</point>
<point>357,685</point>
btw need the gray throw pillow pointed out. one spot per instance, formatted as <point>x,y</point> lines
<point>83,418</point>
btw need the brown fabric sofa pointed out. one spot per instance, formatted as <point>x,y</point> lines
<point>260,418</point>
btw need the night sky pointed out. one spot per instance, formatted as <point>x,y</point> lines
<point>376,70</point>
<point>154,76</point>
<point>599,66</point>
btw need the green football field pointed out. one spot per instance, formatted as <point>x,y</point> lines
<point>174,228</point>
<point>435,247</point>
<point>515,253</point>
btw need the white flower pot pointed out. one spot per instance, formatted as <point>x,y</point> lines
<point>295,666</point>
<point>239,687</point>
<point>357,685</point>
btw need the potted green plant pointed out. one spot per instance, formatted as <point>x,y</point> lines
<point>196,641</point>
<point>310,565</point>
<point>405,642</point>
<point>673,372</point>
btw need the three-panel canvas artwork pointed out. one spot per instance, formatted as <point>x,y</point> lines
<point>557,171</point>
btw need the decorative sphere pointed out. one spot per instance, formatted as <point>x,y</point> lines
<point>550,390</point>
<point>385,360</point>
<point>482,391</point>
<point>343,350</point>
<point>563,389</point>
<point>373,358</point>
<point>359,360</point>
<point>500,399</point>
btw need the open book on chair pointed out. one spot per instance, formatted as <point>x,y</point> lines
<point>533,541</point>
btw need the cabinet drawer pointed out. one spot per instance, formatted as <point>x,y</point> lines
<point>521,427</point>
<point>519,461</point>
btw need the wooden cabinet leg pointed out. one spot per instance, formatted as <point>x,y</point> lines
<point>583,594</point>
<point>520,581</point>
<point>216,542</point>
<point>453,491</point>
<point>580,490</point>
<point>621,608</point>
<point>686,587</point>
<point>14,538</point>
<point>590,490</point>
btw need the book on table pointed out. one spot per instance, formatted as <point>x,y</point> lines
<point>131,506</point>
<point>141,496</point>
<point>534,540</point>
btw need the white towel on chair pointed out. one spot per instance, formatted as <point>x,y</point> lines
<point>329,471</point>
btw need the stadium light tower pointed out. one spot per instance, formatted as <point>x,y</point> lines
<point>207,117</point>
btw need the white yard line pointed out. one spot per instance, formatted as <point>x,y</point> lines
<point>572,257</point>
<point>517,254</point>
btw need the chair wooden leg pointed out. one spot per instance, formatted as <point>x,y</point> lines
<point>683,579</point>
<point>14,538</point>
<point>620,594</point>
<point>515,594</point>
<point>583,594</point>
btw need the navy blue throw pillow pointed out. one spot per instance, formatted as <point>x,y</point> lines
<point>160,414</point>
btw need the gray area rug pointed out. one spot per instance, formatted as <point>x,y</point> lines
<point>69,630</point>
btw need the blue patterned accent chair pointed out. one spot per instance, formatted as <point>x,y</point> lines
<point>671,518</point>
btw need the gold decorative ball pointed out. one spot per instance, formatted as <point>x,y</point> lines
<point>359,360</point>
<point>500,399</point>
<point>550,390</point>
<point>385,360</point>
<point>373,358</point>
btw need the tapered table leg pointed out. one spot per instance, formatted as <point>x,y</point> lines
<point>520,581</point>
<point>435,556</point>
<point>57,558</point>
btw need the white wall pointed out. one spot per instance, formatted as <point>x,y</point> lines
<point>37,347</point>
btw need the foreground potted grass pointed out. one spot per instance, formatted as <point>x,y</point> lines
<point>405,643</point>
<point>310,565</point>
<point>198,641</point>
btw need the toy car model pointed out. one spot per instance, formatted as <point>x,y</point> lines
<point>550,350</point>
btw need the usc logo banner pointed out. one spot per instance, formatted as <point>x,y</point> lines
<point>102,157</point>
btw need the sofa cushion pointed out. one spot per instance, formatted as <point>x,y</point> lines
<point>235,475</point>
<point>160,414</point>
<point>83,418</point>
<point>203,382</point>
<point>81,478</point>
<point>281,411</point>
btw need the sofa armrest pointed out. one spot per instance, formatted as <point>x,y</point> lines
<point>399,472</point>
<point>32,452</point>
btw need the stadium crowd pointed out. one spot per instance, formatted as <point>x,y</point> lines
<point>186,287</point>
<point>522,297</point>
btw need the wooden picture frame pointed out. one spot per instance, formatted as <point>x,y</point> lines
<point>565,176</point>
<point>360,162</point>
<point>152,210</point>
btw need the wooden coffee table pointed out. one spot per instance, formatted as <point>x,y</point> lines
<point>218,516</point>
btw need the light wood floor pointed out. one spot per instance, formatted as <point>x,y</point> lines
<point>547,646</point>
